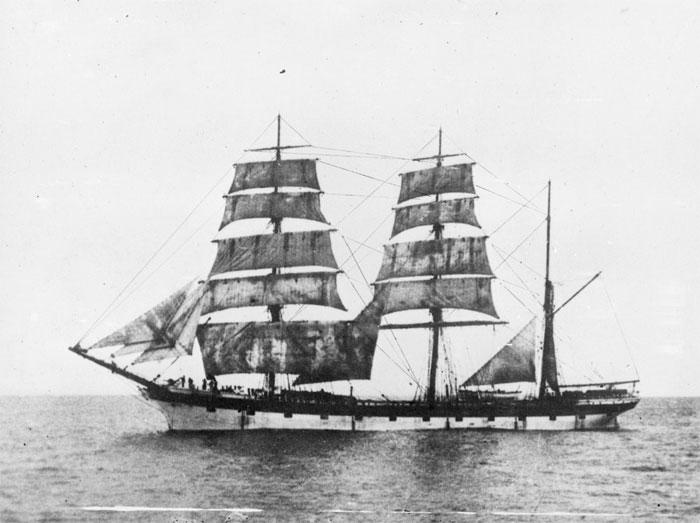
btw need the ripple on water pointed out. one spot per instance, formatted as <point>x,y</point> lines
<point>105,451</point>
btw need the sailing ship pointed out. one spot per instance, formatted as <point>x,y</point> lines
<point>285,268</point>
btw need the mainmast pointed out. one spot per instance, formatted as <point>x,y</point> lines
<point>548,376</point>
<point>457,268</point>
<point>276,310</point>
<point>435,312</point>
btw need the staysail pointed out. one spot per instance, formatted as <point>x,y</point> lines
<point>514,362</point>
<point>164,331</point>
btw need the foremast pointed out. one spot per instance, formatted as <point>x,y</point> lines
<point>295,267</point>
<point>275,310</point>
<point>435,312</point>
<point>443,272</point>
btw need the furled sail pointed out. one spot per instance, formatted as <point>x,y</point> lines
<point>315,288</point>
<point>437,180</point>
<point>267,251</point>
<point>549,357</point>
<point>466,255</point>
<point>457,293</point>
<point>458,210</point>
<point>302,205</point>
<point>165,331</point>
<point>515,362</point>
<point>318,351</point>
<point>283,173</point>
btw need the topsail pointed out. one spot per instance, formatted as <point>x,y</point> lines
<point>435,257</point>
<point>287,173</point>
<point>274,251</point>
<point>302,205</point>
<point>437,180</point>
<point>312,288</point>
<point>457,210</point>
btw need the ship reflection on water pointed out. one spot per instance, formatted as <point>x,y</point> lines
<point>287,472</point>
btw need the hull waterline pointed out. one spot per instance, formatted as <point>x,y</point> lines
<point>186,411</point>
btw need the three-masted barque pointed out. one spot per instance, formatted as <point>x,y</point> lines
<point>289,268</point>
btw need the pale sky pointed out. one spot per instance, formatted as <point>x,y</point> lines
<point>116,118</point>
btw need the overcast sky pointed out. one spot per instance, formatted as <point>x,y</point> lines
<point>116,118</point>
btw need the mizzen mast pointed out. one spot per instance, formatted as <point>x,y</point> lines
<point>548,375</point>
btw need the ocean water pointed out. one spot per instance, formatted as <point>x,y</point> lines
<point>111,459</point>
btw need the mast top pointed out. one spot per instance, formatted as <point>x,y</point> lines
<point>439,156</point>
<point>279,147</point>
<point>549,223</point>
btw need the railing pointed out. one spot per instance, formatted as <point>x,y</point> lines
<point>600,384</point>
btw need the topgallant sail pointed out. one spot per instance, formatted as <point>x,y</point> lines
<point>290,268</point>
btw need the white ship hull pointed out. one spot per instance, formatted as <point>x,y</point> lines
<point>182,417</point>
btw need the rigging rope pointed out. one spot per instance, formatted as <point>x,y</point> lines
<point>359,268</point>
<point>622,332</point>
<point>166,260</point>
<point>109,309</point>
<point>365,245</point>
<point>522,242</point>
<point>387,182</point>
<point>357,195</point>
<point>383,182</point>
<point>412,375</point>
<point>335,155</point>
<point>352,253</point>
<point>504,182</point>
<point>375,155</point>
<point>511,200</point>
<point>525,285</point>
<point>297,132</point>
<point>518,299</point>
<point>364,175</point>
<point>516,212</point>
<point>533,271</point>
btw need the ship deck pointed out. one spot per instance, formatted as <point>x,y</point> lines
<point>610,402</point>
